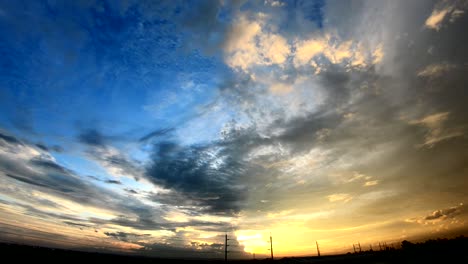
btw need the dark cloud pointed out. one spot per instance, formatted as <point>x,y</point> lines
<point>127,237</point>
<point>49,166</point>
<point>156,134</point>
<point>100,150</point>
<point>214,246</point>
<point>92,137</point>
<point>115,160</point>
<point>147,220</point>
<point>47,176</point>
<point>75,224</point>
<point>194,249</point>
<point>55,148</point>
<point>209,182</point>
<point>132,191</point>
<point>25,180</point>
<point>113,182</point>
<point>94,178</point>
<point>444,213</point>
<point>41,146</point>
<point>10,139</point>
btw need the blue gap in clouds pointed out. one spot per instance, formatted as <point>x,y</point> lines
<point>118,60</point>
<point>313,10</point>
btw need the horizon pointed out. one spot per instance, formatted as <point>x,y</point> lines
<point>155,128</point>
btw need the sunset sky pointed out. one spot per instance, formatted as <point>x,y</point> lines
<point>156,127</point>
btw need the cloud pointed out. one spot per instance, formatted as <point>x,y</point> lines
<point>42,146</point>
<point>352,54</point>
<point>75,224</point>
<point>443,11</point>
<point>444,213</point>
<point>92,137</point>
<point>240,44</point>
<point>48,190</point>
<point>441,216</point>
<point>132,191</point>
<point>378,54</point>
<point>249,43</point>
<point>156,134</point>
<point>112,159</point>
<point>308,49</point>
<point>206,176</point>
<point>436,70</point>
<point>127,237</point>
<point>436,130</point>
<point>434,21</point>
<point>113,182</point>
<point>371,183</point>
<point>339,197</point>
<point>9,139</point>
<point>280,88</point>
<point>275,3</point>
<point>275,48</point>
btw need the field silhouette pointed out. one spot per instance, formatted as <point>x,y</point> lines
<point>431,251</point>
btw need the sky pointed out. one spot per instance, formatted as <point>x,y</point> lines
<point>157,127</point>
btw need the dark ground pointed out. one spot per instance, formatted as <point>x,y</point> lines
<point>432,251</point>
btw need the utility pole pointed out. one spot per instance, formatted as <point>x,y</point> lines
<point>318,249</point>
<point>354,248</point>
<point>271,246</point>
<point>359,243</point>
<point>225,248</point>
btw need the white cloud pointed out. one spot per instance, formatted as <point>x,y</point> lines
<point>115,162</point>
<point>371,183</point>
<point>378,54</point>
<point>440,216</point>
<point>274,3</point>
<point>445,10</point>
<point>339,197</point>
<point>274,48</point>
<point>352,54</point>
<point>436,130</point>
<point>457,13</point>
<point>306,50</point>
<point>280,88</point>
<point>251,43</point>
<point>436,70</point>
<point>434,21</point>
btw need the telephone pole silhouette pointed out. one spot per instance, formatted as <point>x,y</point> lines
<point>271,246</point>
<point>318,249</point>
<point>225,247</point>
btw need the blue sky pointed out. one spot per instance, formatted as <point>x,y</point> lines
<point>156,127</point>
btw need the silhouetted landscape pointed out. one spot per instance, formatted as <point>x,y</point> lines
<point>431,251</point>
